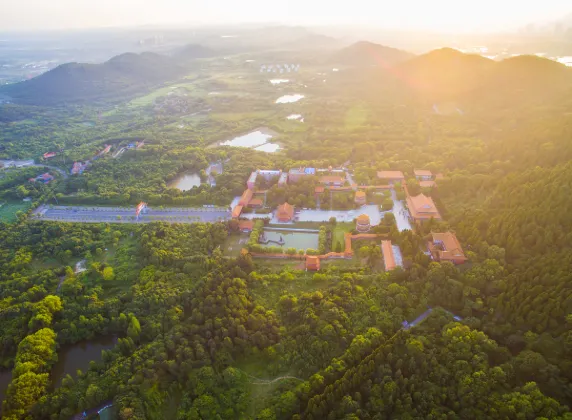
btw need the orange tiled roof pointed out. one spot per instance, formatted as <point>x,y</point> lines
<point>236,211</point>
<point>360,194</point>
<point>319,190</point>
<point>422,207</point>
<point>285,212</point>
<point>388,257</point>
<point>245,224</point>
<point>332,179</point>
<point>452,248</point>
<point>422,172</point>
<point>363,219</point>
<point>256,202</point>
<point>427,184</point>
<point>390,175</point>
<point>312,262</point>
<point>246,197</point>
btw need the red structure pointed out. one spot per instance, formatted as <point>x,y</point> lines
<point>140,207</point>
<point>49,155</point>
<point>312,263</point>
<point>446,247</point>
<point>285,213</point>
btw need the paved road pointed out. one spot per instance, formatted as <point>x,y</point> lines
<point>92,214</point>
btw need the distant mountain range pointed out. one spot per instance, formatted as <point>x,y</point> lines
<point>120,76</point>
<point>365,53</point>
<point>444,74</point>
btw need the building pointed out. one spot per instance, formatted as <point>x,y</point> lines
<point>388,255</point>
<point>283,180</point>
<point>360,197</point>
<point>312,263</point>
<point>250,184</point>
<point>446,247</point>
<point>78,168</point>
<point>256,203</point>
<point>363,223</point>
<point>44,178</point>
<point>49,155</point>
<point>332,180</point>
<point>294,175</point>
<point>246,197</point>
<point>236,211</point>
<point>285,213</point>
<point>423,175</point>
<point>422,208</point>
<point>427,184</point>
<point>245,226</point>
<point>439,176</point>
<point>391,176</point>
<point>319,190</point>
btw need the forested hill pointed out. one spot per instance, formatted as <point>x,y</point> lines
<point>120,77</point>
<point>365,53</point>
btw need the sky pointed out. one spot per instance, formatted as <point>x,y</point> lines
<point>436,15</point>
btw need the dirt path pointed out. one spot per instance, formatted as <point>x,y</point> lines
<point>259,381</point>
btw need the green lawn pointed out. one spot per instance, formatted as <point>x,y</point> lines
<point>232,245</point>
<point>338,234</point>
<point>8,209</point>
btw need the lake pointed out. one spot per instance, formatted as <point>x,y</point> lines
<point>278,81</point>
<point>286,99</point>
<point>186,182</point>
<point>77,356</point>
<point>255,138</point>
<point>298,240</point>
<point>268,147</point>
<point>5,378</point>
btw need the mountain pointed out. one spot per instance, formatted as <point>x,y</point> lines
<point>365,53</point>
<point>444,73</point>
<point>121,76</point>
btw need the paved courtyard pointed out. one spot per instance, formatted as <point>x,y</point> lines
<point>93,214</point>
<point>401,213</point>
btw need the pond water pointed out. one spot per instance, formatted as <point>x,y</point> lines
<point>255,138</point>
<point>77,356</point>
<point>5,378</point>
<point>268,147</point>
<point>278,81</point>
<point>186,182</point>
<point>295,117</point>
<point>286,99</point>
<point>298,240</point>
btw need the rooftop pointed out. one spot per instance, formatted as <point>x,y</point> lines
<point>422,207</point>
<point>246,224</point>
<point>363,219</point>
<point>422,172</point>
<point>332,179</point>
<point>388,257</point>
<point>427,184</point>
<point>451,248</point>
<point>390,175</point>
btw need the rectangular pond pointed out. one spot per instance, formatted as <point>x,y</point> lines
<point>290,239</point>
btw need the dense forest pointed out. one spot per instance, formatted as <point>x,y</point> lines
<point>200,334</point>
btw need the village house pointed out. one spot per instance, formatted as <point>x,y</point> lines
<point>312,263</point>
<point>446,247</point>
<point>391,176</point>
<point>332,180</point>
<point>363,223</point>
<point>245,226</point>
<point>285,213</point>
<point>360,198</point>
<point>422,208</point>
<point>423,175</point>
<point>388,256</point>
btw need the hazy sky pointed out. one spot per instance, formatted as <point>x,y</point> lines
<point>442,15</point>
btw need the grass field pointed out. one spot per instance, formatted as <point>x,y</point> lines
<point>232,246</point>
<point>338,235</point>
<point>8,210</point>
